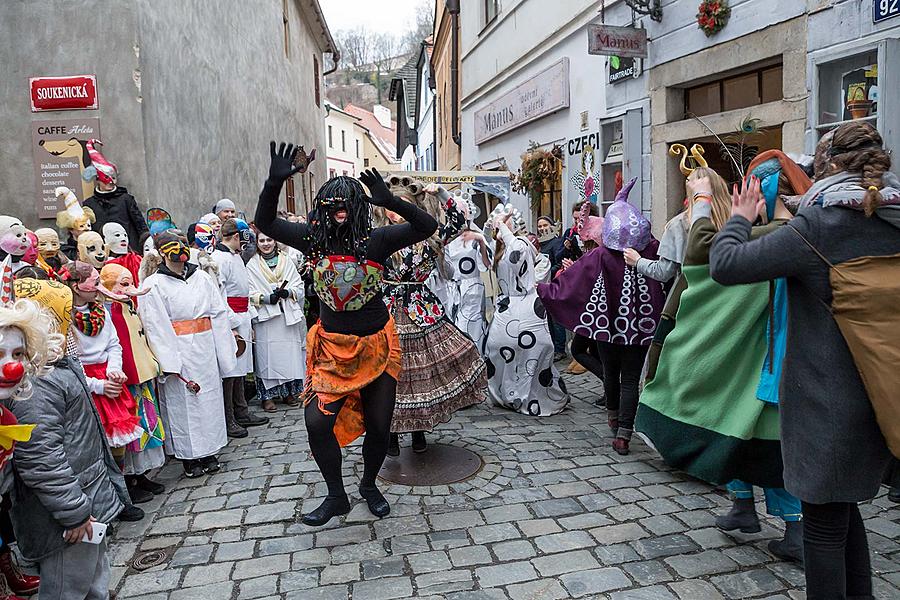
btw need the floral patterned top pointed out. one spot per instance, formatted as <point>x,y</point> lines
<point>345,284</point>
<point>408,269</point>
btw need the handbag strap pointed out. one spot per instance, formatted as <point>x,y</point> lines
<point>816,250</point>
<point>831,266</point>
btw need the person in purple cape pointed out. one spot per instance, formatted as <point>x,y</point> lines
<point>602,298</point>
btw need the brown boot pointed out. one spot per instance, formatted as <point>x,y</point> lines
<point>269,406</point>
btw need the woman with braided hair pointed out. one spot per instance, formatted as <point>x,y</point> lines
<point>834,452</point>
<point>442,369</point>
<point>353,352</point>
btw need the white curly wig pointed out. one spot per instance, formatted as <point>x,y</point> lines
<point>44,345</point>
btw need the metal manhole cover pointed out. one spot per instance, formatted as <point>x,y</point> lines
<point>149,559</point>
<point>439,465</point>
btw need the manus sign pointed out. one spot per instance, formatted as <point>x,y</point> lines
<point>543,94</point>
<point>617,41</point>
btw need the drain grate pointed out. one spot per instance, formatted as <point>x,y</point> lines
<point>441,464</point>
<point>150,559</point>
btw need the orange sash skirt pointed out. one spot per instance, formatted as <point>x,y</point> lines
<point>338,366</point>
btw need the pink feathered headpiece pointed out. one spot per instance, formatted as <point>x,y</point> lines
<point>589,227</point>
<point>103,170</point>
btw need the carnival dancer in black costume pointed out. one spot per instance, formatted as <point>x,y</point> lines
<point>353,353</point>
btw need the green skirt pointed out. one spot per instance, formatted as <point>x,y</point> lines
<point>700,410</point>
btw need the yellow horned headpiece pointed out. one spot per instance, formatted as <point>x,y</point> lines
<point>696,156</point>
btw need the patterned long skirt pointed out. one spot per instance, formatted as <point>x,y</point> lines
<point>442,373</point>
<point>146,453</point>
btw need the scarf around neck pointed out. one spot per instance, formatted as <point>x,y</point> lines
<point>91,321</point>
<point>846,190</point>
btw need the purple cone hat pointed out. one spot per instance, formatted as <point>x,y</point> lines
<point>625,226</point>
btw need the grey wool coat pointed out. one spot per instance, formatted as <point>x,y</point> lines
<point>832,447</point>
<point>65,473</point>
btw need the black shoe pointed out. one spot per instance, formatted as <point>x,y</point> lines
<point>131,513</point>
<point>894,495</point>
<point>741,516</point>
<point>331,507</point>
<point>235,431</point>
<point>210,464</point>
<point>193,469</point>
<point>558,356</point>
<point>251,420</point>
<point>394,445</point>
<point>419,445</point>
<point>137,494</point>
<point>378,506</point>
<point>153,487</point>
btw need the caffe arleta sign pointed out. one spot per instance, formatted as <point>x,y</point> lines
<point>77,92</point>
<point>617,41</point>
<point>543,94</point>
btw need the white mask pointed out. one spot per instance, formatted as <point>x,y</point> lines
<point>12,361</point>
<point>149,246</point>
<point>116,238</point>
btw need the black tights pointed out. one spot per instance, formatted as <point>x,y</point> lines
<point>836,552</point>
<point>584,350</point>
<point>378,409</point>
<point>6,529</point>
<point>622,367</point>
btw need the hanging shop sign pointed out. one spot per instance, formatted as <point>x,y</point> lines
<point>543,94</point>
<point>78,92</point>
<point>611,40</point>
<point>623,68</point>
<point>60,157</point>
<point>885,9</point>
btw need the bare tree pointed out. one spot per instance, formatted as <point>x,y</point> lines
<point>422,27</point>
<point>356,50</point>
<point>385,48</point>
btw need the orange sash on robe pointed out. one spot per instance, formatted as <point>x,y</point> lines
<point>339,366</point>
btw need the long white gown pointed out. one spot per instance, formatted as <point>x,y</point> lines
<point>280,329</point>
<point>234,280</point>
<point>466,289</point>
<point>195,424</point>
<point>518,350</point>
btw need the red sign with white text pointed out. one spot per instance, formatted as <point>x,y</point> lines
<point>78,92</point>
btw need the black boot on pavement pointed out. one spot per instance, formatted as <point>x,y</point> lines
<point>151,486</point>
<point>419,445</point>
<point>741,516</point>
<point>894,494</point>
<point>137,494</point>
<point>791,547</point>
<point>378,506</point>
<point>131,513</point>
<point>394,445</point>
<point>250,420</point>
<point>333,506</point>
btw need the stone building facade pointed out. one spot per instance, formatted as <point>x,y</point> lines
<point>190,93</point>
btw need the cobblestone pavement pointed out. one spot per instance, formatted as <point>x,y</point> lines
<point>554,513</point>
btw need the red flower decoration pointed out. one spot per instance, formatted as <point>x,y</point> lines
<point>712,16</point>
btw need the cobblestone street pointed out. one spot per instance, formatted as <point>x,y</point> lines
<point>554,513</point>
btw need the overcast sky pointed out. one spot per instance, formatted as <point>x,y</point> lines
<point>378,15</point>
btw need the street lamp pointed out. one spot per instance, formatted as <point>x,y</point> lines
<point>646,7</point>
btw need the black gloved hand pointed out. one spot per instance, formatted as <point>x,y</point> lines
<point>381,194</point>
<point>282,165</point>
<point>282,293</point>
<point>272,299</point>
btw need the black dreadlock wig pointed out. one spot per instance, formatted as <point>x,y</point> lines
<point>350,237</point>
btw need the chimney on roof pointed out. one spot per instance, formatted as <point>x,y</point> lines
<point>382,115</point>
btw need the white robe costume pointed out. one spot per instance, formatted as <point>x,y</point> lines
<point>466,289</point>
<point>518,349</point>
<point>234,281</point>
<point>279,329</point>
<point>195,424</point>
